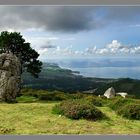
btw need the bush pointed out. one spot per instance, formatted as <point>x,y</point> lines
<point>57,109</point>
<point>27,99</point>
<point>119,102</point>
<point>28,92</point>
<point>52,96</point>
<point>76,109</point>
<point>77,95</point>
<point>103,97</point>
<point>131,96</point>
<point>97,101</point>
<point>130,111</point>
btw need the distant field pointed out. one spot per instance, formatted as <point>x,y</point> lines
<point>37,118</point>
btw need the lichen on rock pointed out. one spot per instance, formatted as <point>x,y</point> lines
<point>10,77</point>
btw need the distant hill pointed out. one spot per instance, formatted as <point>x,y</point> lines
<point>99,62</point>
<point>131,86</point>
<point>54,77</point>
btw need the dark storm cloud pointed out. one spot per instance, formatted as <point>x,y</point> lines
<point>122,13</point>
<point>73,19</point>
<point>65,18</point>
<point>50,18</point>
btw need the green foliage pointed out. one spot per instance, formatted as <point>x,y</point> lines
<point>37,119</point>
<point>117,103</point>
<point>77,95</point>
<point>128,107</point>
<point>15,43</point>
<point>97,101</point>
<point>130,86</point>
<point>76,109</point>
<point>53,77</point>
<point>45,95</point>
<point>52,96</point>
<point>27,99</point>
<point>130,111</point>
<point>57,109</point>
<point>132,96</point>
<point>28,92</point>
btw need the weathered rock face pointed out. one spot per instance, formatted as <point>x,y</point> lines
<point>110,93</point>
<point>10,77</point>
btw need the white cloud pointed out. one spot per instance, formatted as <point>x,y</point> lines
<point>91,50</point>
<point>43,51</point>
<point>114,48</point>
<point>114,45</point>
<point>102,51</point>
<point>58,51</point>
<point>53,38</point>
<point>135,50</point>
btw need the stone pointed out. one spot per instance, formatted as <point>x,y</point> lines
<point>10,77</point>
<point>110,93</point>
<point>123,94</point>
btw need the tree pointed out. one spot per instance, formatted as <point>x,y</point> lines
<point>15,43</point>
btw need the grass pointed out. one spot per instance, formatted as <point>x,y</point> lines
<point>37,118</point>
<point>27,99</point>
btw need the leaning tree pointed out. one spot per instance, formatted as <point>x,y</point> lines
<point>13,42</point>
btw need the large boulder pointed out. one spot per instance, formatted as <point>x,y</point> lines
<point>110,93</point>
<point>123,94</point>
<point>10,77</point>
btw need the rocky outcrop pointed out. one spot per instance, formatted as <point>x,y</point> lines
<point>110,93</point>
<point>10,77</point>
<point>123,94</point>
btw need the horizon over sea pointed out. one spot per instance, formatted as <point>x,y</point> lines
<point>110,72</point>
<point>103,67</point>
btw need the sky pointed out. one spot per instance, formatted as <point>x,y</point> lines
<point>76,31</point>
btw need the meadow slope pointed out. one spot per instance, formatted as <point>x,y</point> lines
<point>37,118</point>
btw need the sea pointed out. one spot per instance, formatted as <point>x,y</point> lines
<point>102,67</point>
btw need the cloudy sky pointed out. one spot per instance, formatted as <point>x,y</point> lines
<point>76,31</point>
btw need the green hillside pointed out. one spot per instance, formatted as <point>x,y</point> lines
<point>131,86</point>
<point>54,77</point>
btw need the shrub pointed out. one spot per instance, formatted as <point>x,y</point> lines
<point>28,92</point>
<point>119,102</point>
<point>27,99</point>
<point>130,111</point>
<point>46,95</point>
<point>57,109</point>
<point>95,100</point>
<point>131,96</point>
<point>103,97</point>
<point>76,109</point>
<point>53,96</point>
<point>77,95</point>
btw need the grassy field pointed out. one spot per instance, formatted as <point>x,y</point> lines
<point>37,118</point>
